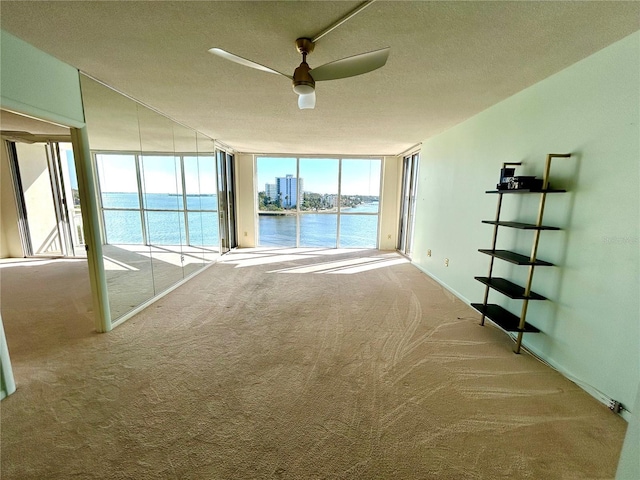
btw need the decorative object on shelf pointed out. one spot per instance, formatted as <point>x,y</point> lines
<point>506,175</point>
<point>509,181</point>
<point>511,184</point>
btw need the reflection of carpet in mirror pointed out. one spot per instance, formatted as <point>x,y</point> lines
<point>136,273</point>
<point>300,363</point>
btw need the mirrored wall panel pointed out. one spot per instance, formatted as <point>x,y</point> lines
<point>158,190</point>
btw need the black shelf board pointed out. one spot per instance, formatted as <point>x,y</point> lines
<point>508,288</point>
<point>526,190</point>
<point>503,318</point>
<point>513,257</point>
<point>520,225</point>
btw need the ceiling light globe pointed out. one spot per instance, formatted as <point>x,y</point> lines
<point>303,89</point>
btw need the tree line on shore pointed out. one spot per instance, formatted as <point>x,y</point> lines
<point>313,202</point>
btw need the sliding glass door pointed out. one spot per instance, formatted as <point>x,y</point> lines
<point>47,193</point>
<point>226,195</point>
<point>408,205</point>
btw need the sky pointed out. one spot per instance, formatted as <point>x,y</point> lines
<point>117,173</point>
<point>66,152</point>
<point>359,177</point>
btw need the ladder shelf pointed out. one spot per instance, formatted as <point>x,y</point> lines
<point>497,314</point>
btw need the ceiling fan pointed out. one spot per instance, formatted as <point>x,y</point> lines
<point>304,78</point>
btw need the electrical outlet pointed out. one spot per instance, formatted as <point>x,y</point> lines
<point>245,234</point>
<point>446,262</point>
<point>428,253</point>
<point>389,236</point>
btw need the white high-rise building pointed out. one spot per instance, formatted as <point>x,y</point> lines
<point>287,190</point>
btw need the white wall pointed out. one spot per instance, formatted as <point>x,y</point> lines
<point>389,203</point>
<point>246,214</point>
<point>629,466</point>
<point>590,109</point>
<point>38,84</point>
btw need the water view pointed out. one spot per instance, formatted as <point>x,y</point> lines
<point>321,229</point>
<point>165,221</point>
<point>164,217</point>
<point>318,202</point>
<point>291,209</point>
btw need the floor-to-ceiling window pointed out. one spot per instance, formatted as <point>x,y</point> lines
<point>318,202</point>
<point>319,187</point>
<point>359,203</point>
<point>277,213</point>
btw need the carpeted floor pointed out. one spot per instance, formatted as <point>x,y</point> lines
<point>289,364</point>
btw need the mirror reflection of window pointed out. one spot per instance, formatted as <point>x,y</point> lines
<point>158,195</point>
<point>120,199</point>
<point>163,201</point>
<point>202,200</point>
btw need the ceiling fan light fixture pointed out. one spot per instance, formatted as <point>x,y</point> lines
<point>303,88</point>
<point>307,102</point>
<point>304,78</point>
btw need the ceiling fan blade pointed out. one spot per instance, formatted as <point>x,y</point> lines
<point>307,101</point>
<point>351,66</point>
<point>243,61</point>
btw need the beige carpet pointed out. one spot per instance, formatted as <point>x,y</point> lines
<point>289,365</point>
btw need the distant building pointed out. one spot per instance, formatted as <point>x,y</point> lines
<point>331,200</point>
<point>271,191</point>
<point>287,190</point>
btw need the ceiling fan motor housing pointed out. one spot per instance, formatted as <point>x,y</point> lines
<point>303,82</point>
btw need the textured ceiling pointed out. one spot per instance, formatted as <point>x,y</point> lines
<point>449,60</point>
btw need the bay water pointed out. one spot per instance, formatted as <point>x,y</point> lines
<point>166,223</point>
